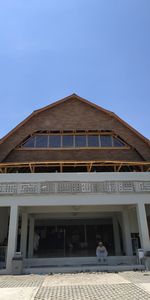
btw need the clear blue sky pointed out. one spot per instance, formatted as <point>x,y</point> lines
<point>99,49</point>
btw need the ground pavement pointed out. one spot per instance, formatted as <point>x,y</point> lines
<point>80,286</point>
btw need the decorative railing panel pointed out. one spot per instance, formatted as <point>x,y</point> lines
<point>74,187</point>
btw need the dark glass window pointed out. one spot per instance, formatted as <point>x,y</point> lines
<point>41,141</point>
<point>117,143</point>
<point>29,143</point>
<point>80,140</point>
<point>67,140</point>
<point>93,141</point>
<point>71,140</point>
<point>54,141</point>
<point>106,141</point>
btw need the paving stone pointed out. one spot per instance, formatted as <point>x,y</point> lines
<point>84,279</point>
<point>95,292</point>
<point>136,277</point>
<point>145,286</point>
<point>81,286</point>
<point>20,293</point>
<point>21,281</point>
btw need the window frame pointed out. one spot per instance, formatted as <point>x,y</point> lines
<point>74,147</point>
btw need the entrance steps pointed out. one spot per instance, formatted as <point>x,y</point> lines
<point>81,264</point>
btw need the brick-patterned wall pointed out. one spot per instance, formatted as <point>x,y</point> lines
<point>74,114</point>
<point>78,155</point>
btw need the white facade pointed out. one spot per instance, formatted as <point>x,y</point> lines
<point>121,196</point>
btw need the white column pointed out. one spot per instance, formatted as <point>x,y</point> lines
<point>31,237</point>
<point>143,227</point>
<point>126,233</point>
<point>12,236</point>
<point>24,228</point>
<point>116,236</point>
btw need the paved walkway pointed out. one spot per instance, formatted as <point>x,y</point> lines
<point>81,286</point>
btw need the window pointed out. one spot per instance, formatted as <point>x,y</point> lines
<point>93,141</point>
<point>54,141</point>
<point>80,140</point>
<point>67,141</point>
<point>106,141</point>
<point>117,143</point>
<point>41,141</point>
<point>73,140</point>
<point>29,143</point>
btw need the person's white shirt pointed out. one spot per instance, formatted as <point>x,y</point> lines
<point>101,250</point>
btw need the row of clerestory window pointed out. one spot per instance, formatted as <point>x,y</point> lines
<point>72,141</point>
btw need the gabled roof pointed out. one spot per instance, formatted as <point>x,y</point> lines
<point>72,96</point>
<point>68,98</point>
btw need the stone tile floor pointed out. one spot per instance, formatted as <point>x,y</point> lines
<point>81,286</point>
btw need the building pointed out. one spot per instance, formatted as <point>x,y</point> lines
<point>72,174</point>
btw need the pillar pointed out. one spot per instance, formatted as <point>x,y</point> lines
<point>12,236</point>
<point>143,227</point>
<point>126,233</point>
<point>24,228</point>
<point>116,236</point>
<point>31,237</point>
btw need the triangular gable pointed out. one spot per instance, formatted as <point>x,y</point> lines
<point>74,96</point>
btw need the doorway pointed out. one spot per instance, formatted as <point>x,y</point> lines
<point>73,238</point>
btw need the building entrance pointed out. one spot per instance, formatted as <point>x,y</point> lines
<point>62,238</point>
